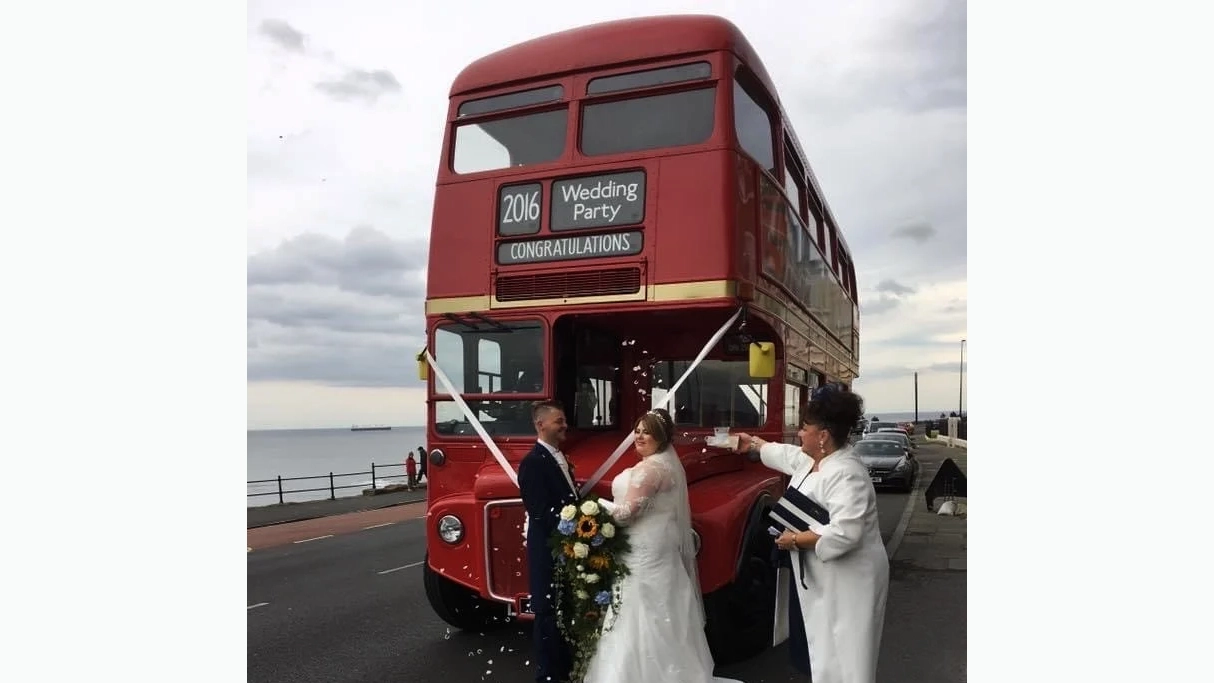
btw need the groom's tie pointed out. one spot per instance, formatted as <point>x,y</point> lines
<point>564,465</point>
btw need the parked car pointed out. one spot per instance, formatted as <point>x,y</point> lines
<point>896,430</point>
<point>877,426</point>
<point>895,435</point>
<point>889,464</point>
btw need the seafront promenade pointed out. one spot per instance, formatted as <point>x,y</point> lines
<point>266,515</point>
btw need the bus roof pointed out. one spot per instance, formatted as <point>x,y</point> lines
<point>608,44</point>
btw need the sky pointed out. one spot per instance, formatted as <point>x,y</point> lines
<point>346,106</point>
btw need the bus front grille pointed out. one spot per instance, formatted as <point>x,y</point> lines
<point>569,285</point>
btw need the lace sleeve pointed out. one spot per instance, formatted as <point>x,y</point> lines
<point>644,483</point>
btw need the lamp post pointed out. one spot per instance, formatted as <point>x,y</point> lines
<point>961,383</point>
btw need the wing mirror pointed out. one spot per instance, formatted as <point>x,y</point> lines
<point>762,360</point>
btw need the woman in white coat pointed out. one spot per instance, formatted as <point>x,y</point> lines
<point>840,569</point>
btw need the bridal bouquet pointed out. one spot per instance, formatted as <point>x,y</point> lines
<point>588,547</point>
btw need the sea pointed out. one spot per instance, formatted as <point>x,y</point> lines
<point>349,455</point>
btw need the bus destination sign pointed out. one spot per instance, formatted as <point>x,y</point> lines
<point>598,201</point>
<point>569,248</point>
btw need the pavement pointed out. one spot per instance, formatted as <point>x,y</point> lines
<point>932,541</point>
<point>282,513</point>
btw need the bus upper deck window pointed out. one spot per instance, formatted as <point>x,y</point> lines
<point>696,71</point>
<point>512,141</point>
<point>640,123</point>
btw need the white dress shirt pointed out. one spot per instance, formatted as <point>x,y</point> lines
<point>562,463</point>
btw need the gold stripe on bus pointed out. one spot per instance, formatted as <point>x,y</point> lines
<point>680,291</point>
<point>704,289</point>
<point>457,304</point>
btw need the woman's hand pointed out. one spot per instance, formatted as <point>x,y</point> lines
<point>743,441</point>
<point>787,541</point>
<point>746,442</point>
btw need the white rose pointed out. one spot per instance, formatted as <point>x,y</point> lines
<point>582,595</point>
<point>568,512</point>
<point>608,530</point>
<point>580,550</point>
<point>590,508</point>
<point>592,578</point>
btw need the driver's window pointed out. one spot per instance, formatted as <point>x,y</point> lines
<point>588,375</point>
<point>596,402</point>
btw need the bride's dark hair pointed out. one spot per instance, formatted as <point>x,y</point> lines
<point>660,426</point>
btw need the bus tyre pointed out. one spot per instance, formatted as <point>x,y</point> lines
<point>459,606</point>
<point>740,615</point>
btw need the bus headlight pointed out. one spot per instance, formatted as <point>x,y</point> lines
<point>450,529</point>
<point>437,457</point>
<point>695,540</point>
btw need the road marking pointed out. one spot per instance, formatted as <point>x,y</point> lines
<point>260,604</point>
<point>396,569</point>
<point>315,539</point>
<point>376,526</point>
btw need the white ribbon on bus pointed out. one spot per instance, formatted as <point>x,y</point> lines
<point>476,424</point>
<point>619,451</point>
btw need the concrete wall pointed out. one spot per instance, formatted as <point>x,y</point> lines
<point>951,442</point>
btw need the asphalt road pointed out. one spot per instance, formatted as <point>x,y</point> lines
<point>350,607</point>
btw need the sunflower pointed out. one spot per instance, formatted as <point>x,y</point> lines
<point>599,562</point>
<point>587,527</point>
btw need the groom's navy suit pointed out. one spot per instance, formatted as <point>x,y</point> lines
<point>545,491</point>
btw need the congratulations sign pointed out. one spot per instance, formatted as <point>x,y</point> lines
<point>569,248</point>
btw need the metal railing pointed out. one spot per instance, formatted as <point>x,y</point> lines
<point>332,488</point>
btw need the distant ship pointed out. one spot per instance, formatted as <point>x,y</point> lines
<point>376,428</point>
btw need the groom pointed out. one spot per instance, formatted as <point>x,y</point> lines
<point>546,482</point>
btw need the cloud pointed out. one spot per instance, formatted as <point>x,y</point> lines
<point>879,305</point>
<point>891,295</point>
<point>359,84</point>
<point>917,232</point>
<point>282,34</point>
<point>337,312</point>
<point>892,287</point>
<point>948,367</point>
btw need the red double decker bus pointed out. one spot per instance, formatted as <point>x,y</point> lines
<point>609,200</point>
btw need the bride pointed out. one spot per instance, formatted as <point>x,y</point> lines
<point>658,633</point>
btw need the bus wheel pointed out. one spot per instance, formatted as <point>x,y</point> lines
<point>740,615</point>
<point>459,606</point>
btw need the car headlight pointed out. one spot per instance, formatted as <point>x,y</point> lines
<point>902,465</point>
<point>450,529</point>
<point>695,540</point>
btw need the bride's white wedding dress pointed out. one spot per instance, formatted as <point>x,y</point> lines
<point>658,634</point>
